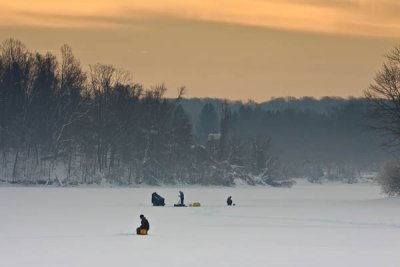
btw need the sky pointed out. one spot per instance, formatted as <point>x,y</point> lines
<point>235,49</point>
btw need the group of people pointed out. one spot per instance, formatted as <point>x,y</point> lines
<point>157,200</point>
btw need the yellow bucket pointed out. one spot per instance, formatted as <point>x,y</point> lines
<point>142,232</point>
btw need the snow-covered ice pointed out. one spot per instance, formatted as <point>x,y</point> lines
<point>307,225</point>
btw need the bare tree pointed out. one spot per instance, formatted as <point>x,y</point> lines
<point>15,86</point>
<point>384,93</point>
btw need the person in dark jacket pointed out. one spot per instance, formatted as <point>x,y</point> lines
<point>181,197</point>
<point>157,200</point>
<point>144,224</point>
<point>229,201</point>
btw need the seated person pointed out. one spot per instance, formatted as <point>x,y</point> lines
<point>157,200</point>
<point>144,224</point>
<point>229,201</point>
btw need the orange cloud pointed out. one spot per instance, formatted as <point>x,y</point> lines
<point>354,17</point>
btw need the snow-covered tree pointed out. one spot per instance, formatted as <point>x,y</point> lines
<point>389,178</point>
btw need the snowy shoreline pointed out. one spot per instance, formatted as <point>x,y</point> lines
<point>238,184</point>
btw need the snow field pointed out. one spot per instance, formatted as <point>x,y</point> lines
<point>307,225</point>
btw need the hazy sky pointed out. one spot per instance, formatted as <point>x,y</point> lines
<point>237,49</point>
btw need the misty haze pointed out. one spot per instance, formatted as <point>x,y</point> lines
<point>239,133</point>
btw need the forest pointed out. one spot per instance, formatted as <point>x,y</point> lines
<point>61,123</point>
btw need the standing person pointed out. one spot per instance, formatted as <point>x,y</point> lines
<point>144,224</point>
<point>181,197</point>
<point>229,201</point>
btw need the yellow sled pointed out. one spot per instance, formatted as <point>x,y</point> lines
<point>195,204</point>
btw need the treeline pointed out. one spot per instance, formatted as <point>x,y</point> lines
<point>327,104</point>
<point>333,140</point>
<point>59,123</point>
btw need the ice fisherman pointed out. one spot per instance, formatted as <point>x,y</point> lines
<point>181,197</point>
<point>144,224</point>
<point>229,201</point>
<point>157,200</point>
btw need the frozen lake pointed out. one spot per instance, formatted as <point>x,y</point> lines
<point>307,225</point>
